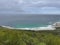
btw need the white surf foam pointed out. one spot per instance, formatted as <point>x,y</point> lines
<point>7,27</point>
<point>49,27</point>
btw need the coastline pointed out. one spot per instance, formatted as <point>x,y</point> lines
<point>21,37</point>
<point>49,27</point>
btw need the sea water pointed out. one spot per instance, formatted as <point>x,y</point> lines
<point>28,21</point>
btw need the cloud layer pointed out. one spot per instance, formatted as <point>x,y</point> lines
<point>30,6</point>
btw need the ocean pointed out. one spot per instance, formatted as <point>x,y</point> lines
<point>28,21</point>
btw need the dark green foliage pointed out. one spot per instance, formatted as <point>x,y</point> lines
<point>21,37</point>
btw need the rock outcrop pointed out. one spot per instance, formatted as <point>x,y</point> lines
<point>56,25</point>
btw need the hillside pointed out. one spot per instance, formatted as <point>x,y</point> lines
<point>24,37</point>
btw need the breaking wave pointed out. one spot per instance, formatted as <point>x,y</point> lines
<point>49,27</point>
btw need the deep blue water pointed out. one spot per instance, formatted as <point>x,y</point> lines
<point>25,21</point>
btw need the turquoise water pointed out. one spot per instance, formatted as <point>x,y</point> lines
<point>29,21</point>
<point>29,25</point>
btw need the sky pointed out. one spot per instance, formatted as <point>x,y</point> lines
<point>29,6</point>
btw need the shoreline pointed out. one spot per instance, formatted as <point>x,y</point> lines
<point>49,27</point>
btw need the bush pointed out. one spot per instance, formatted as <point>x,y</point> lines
<point>20,37</point>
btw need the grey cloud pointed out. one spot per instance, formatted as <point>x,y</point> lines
<point>9,6</point>
<point>49,3</point>
<point>29,3</point>
<point>17,6</point>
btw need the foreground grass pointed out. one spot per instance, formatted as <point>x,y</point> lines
<point>19,37</point>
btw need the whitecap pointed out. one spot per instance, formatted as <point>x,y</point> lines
<point>49,27</point>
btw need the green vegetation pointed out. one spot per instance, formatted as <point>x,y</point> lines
<point>21,37</point>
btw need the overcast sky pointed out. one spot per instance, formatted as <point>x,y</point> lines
<point>30,6</point>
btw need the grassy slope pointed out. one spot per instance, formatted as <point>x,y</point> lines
<point>19,37</point>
